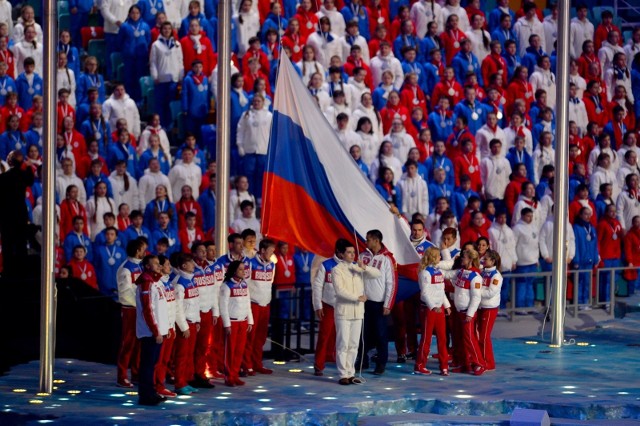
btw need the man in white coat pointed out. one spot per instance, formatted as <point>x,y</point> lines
<point>325,43</point>
<point>627,203</point>
<point>488,133</point>
<point>495,171</point>
<point>528,25</point>
<point>68,177</point>
<point>328,9</point>
<point>349,310</point>
<point>383,61</point>
<point>581,31</point>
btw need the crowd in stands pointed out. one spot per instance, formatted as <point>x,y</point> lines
<point>449,110</point>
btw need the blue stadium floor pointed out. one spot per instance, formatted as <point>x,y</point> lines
<point>594,381</point>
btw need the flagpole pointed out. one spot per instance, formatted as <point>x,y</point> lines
<point>47,279</point>
<point>223,119</point>
<point>559,273</point>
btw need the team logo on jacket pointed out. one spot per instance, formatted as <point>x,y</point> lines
<point>327,277</point>
<point>262,275</point>
<point>204,280</point>
<point>170,295</point>
<point>239,292</point>
<point>191,292</point>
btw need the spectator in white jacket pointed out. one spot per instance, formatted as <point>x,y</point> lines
<point>603,174</point>
<point>422,13</point>
<point>502,240</point>
<point>608,50</point>
<point>125,188</point>
<point>384,61</point>
<point>325,43</point>
<point>153,177</point>
<point>604,146</point>
<point>528,25</point>
<point>347,137</point>
<point>415,194</point>
<point>154,128</point>
<point>629,165</point>
<point>97,206</point>
<point>68,177</point>
<point>5,15</point>
<point>352,38</point>
<point>577,110</point>
<point>550,25</point>
<point>547,252</point>
<point>248,22</point>
<point>120,105</point>
<point>618,75</point>
<point>495,170</point>
<point>527,199</point>
<point>30,47</point>
<point>402,141</point>
<point>253,142</point>
<point>453,7</point>
<point>632,48</point>
<point>628,203</point>
<point>166,69</point>
<point>527,235</point>
<point>543,155</point>
<point>328,9</point>
<point>487,133</point>
<point>187,172</point>
<point>543,78</point>
<point>581,31</point>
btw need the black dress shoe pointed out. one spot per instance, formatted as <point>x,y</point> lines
<point>344,381</point>
<point>379,371</point>
<point>202,383</point>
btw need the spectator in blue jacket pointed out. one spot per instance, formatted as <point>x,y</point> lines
<point>28,84</point>
<point>586,252</point>
<point>134,38</point>
<point>107,260</point>
<point>149,9</point>
<point>465,61</point>
<point>473,110</point>
<point>194,13</point>
<point>207,201</point>
<point>195,98</point>
<point>354,10</point>
<point>96,176</point>
<point>121,150</point>
<point>391,193</point>
<point>135,229</point>
<point>439,160</point>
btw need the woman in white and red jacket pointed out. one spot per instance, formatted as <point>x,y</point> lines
<point>489,305</point>
<point>152,325</point>
<point>432,314</point>
<point>467,297</point>
<point>237,320</point>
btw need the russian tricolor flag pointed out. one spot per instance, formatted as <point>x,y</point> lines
<point>314,192</point>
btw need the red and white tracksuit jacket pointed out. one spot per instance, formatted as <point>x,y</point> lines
<point>152,318</point>
<point>383,288</point>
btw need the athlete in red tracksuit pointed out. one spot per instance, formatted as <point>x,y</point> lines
<point>260,283</point>
<point>167,344</point>
<point>467,296</point>
<point>432,314</point>
<point>188,320</point>
<point>205,279</point>
<point>237,320</point>
<point>489,305</point>
<point>127,274</point>
<point>323,296</point>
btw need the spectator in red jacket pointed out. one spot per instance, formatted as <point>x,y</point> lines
<point>81,268</point>
<point>467,164</point>
<point>512,192</point>
<point>606,26</point>
<point>579,201</point>
<point>197,46</point>
<point>610,233</point>
<point>477,228</point>
<point>632,255</point>
<point>596,104</point>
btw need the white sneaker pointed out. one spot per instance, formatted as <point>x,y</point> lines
<point>585,308</point>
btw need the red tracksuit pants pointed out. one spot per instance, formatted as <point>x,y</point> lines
<point>486,320</point>
<point>129,354</point>
<point>160,373</point>
<point>326,344</point>
<point>216,349</point>
<point>184,349</point>
<point>202,355</point>
<point>256,339</point>
<point>472,353</point>
<point>433,321</point>
<point>234,349</point>
<point>404,315</point>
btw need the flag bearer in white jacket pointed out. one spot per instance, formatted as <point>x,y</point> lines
<point>237,320</point>
<point>435,306</point>
<point>489,304</point>
<point>415,194</point>
<point>349,309</point>
<point>165,65</point>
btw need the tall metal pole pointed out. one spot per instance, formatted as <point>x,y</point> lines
<point>559,274</point>
<point>223,134</point>
<point>47,280</point>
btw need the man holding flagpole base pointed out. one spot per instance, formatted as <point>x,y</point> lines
<point>350,308</point>
<point>381,294</point>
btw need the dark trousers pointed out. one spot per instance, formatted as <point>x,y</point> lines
<point>375,333</point>
<point>149,354</point>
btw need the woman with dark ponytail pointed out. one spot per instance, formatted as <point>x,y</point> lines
<point>237,320</point>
